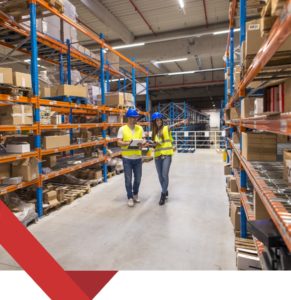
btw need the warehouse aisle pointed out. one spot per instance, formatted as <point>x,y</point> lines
<point>192,232</point>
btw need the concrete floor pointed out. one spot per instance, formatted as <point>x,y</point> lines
<point>191,232</point>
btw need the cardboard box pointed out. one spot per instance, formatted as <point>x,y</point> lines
<point>22,79</point>
<point>259,146</point>
<point>233,185</point>
<point>247,107</point>
<point>45,92</point>
<point>227,169</point>
<point>236,137</point>
<point>17,114</point>
<point>6,76</point>
<point>259,106</point>
<point>235,215</point>
<point>27,168</point>
<point>282,139</point>
<point>287,95</point>
<point>235,163</point>
<point>50,161</point>
<point>56,141</point>
<point>234,113</point>
<point>5,170</point>
<point>69,90</point>
<point>20,147</point>
<point>254,40</point>
<point>116,99</point>
<point>266,25</point>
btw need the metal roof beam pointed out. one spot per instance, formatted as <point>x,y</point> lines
<point>108,19</point>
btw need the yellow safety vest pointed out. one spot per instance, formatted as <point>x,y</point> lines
<point>166,147</point>
<point>128,136</point>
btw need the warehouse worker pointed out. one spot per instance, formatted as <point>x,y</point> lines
<point>131,156</point>
<point>163,144</point>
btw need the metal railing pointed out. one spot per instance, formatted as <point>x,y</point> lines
<point>189,141</point>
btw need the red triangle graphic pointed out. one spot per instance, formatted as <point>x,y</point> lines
<point>91,282</point>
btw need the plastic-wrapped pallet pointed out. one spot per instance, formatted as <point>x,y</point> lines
<point>70,32</point>
<point>93,92</point>
<point>48,25</point>
<point>76,77</point>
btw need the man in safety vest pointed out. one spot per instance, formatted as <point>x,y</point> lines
<point>131,156</point>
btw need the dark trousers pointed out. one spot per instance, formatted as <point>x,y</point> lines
<point>163,164</point>
<point>132,166</point>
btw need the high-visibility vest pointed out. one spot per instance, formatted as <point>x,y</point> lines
<point>128,136</point>
<point>164,147</point>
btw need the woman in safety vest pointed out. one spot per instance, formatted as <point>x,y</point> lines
<point>163,143</point>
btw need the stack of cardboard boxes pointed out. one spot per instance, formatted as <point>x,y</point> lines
<point>117,99</point>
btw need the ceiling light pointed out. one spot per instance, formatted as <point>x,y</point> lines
<point>29,60</point>
<point>128,46</point>
<point>170,60</point>
<point>181,3</point>
<point>225,31</point>
<point>181,73</point>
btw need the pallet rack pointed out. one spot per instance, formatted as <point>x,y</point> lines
<point>38,45</point>
<point>175,112</point>
<point>280,124</point>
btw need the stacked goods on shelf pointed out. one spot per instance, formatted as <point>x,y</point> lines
<point>19,114</point>
<point>117,99</point>
<point>70,32</point>
<point>93,92</point>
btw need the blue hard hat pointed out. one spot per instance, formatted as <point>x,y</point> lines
<point>132,113</point>
<point>157,115</point>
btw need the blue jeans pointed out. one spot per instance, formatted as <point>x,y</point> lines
<point>163,164</point>
<point>132,166</point>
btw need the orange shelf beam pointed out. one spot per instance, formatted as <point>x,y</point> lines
<point>14,157</point>
<point>12,188</point>
<point>281,30</point>
<point>90,34</point>
<point>276,210</point>
<point>16,128</point>
<point>72,147</point>
<point>72,169</point>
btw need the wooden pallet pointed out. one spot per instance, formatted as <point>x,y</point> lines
<point>94,182</point>
<point>9,89</point>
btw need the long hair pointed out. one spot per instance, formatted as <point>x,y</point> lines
<point>156,130</point>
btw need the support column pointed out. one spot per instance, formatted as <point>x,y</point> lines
<point>231,61</point>
<point>35,90</point>
<point>148,99</point>
<point>103,102</point>
<point>133,83</point>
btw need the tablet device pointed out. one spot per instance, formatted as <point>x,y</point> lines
<point>134,143</point>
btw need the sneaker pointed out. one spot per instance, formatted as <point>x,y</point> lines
<point>130,202</point>
<point>136,199</point>
<point>167,195</point>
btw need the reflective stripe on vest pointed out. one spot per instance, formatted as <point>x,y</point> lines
<point>128,136</point>
<point>164,147</point>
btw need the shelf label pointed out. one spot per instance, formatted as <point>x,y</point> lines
<point>18,156</point>
<point>55,127</point>
<point>56,150</point>
<point>53,102</point>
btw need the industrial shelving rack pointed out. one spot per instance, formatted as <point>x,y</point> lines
<point>281,124</point>
<point>177,111</point>
<point>36,44</point>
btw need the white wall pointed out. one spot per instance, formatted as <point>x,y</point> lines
<point>214,117</point>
